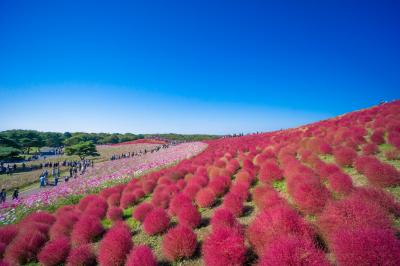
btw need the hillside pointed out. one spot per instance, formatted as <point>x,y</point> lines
<point>326,193</point>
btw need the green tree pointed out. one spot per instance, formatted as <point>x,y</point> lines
<point>7,153</point>
<point>82,149</point>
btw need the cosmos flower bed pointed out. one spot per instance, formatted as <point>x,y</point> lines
<point>101,173</point>
<point>315,195</point>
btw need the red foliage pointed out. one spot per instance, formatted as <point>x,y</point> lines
<point>114,199</point>
<point>114,213</point>
<point>141,256</point>
<point>24,247</point>
<point>378,196</point>
<point>366,246</point>
<point>141,211</point>
<point>377,136</point>
<point>179,242</point>
<point>156,221</point>
<point>292,250</point>
<point>344,156</point>
<point>205,197</point>
<point>8,233</point>
<point>87,229</point>
<point>217,186</point>
<point>270,172</point>
<point>233,203</point>
<point>224,247</point>
<point>189,216</point>
<point>377,172</point>
<point>392,154</point>
<point>177,202</point>
<point>340,182</point>
<point>83,256</point>
<point>370,149</point>
<point>64,223</point>
<point>55,252</point>
<point>83,203</point>
<point>223,218</point>
<point>191,190</point>
<point>266,197</point>
<point>273,223</point>
<point>115,246</point>
<point>324,169</point>
<point>128,200</point>
<point>352,213</point>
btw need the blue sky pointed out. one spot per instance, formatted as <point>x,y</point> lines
<point>193,66</point>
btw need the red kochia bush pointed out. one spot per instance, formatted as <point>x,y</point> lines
<point>141,256</point>
<point>8,233</point>
<point>223,218</point>
<point>82,256</point>
<point>378,196</point>
<point>156,221</point>
<point>177,202</point>
<point>270,172</point>
<point>191,190</point>
<point>141,211</point>
<point>205,198</point>
<point>224,247</point>
<point>86,230</point>
<point>54,252</point>
<point>370,149</point>
<point>189,216</point>
<point>114,213</point>
<point>24,247</point>
<point>366,246</point>
<point>340,182</point>
<point>378,173</point>
<point>377,136</point>
<point>292,250</point>
<point>115,246</point>
<point>63,225</point>
<point>234,203</point>
<point>179,242</point>
<point>127,200</point>
<point>344,156</point>
<point>352,213</point>
<point>273,223</point>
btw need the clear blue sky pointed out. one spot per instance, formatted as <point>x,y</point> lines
<point>193,66</point>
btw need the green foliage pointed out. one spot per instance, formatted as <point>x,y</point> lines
<point>8,153</point>
<point>82,149</point>
<point>280,185</point>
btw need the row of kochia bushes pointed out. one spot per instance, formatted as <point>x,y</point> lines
<point>352,224</point>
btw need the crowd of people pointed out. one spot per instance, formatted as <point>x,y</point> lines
<point>138,153</point>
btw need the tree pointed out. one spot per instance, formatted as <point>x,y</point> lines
<point>82,149</point>
<point>7,153</point>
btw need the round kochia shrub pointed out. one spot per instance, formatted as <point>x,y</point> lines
<point>114,213</point>
<point>8,233</point>
<point>141,256</point>
<point>179,242</point>
<point>223,218</point>
<point>292,250</point>
<point>115,246</point>
<point>340,182</point>
<point>87,229</point>
<point>141,211</point>
<point>156,221</point>
<point>270,172</point>
<point>205,198</point>
<point>377,172</point>
<point>82,256</point>
<point>234,203</point>
<point>224,247</point>
<point>352,213</point>
<point>177,202</point>
<point>64,224</point>
<point>344,156</point>
<point>365,246</point>
<point>273,223</point>
<point>55,252</point>
<point>189,216</point>
<point>24,247</point>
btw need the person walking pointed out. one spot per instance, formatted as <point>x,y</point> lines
<point>15,194</point>
<point>3,195</point>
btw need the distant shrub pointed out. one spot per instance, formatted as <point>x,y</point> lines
<point>292,250</point>
<point>115,246</point>
<point>55,252</point>
<point>141,211</point>
<point>85,230</point>
<point>340,182</point>
<point>224,247</point>
<point>377,136</point>
<point>273,223</point>
<point>178,243</point>
<point>82,256</point>
<point>114,213</point>
<point>370,149</point>
<point>156,221</point>
<point>344,156</point>
<point>270,172</point>
<point>205,198</point>
<point>189,216</point>
<point>141,256</point>
<point>366,246</point>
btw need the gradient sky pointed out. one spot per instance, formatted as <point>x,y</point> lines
<point>193,66</point>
